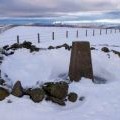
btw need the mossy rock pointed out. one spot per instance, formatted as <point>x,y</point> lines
<point>3,93</point>
<point>58,90</point>
<point>26,45</point>
<point>72,97</point>
<point>17,89</point>
<point>14,46</point>
<point>37,94</point>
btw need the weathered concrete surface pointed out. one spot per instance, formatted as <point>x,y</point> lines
<point>81,63</point>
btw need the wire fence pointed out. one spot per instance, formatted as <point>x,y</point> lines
<point>69,34</point>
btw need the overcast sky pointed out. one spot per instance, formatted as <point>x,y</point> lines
<point>52,7</point>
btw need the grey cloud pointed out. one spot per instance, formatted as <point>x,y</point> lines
<point>17,8</point>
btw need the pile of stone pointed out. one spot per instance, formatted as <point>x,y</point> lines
<point>66,46</point>
<point>56,92</point>
<point>16,46</point>
<point>107,50</point>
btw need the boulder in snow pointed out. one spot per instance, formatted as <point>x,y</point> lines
<point>72,97</point>
<point>37,94</point>
<point>17,89</point>
<point>105,49</point>
<point>3,93</point>
<point>58,90</point>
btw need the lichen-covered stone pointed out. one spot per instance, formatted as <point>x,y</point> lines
<point>37,94</point>
<point>58,90</point>
<point>3,93</point>
<point>72,97</point>
<point>17,89</point>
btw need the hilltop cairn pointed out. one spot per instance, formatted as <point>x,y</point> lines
<point>56,92</point>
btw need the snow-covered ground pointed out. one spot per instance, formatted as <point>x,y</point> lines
<point>102,101</point>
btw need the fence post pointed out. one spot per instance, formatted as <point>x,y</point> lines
<point>77,34</point>
<point>100,32</point>
<point>106,30</point>
<point>86,33</point>
<point>53,36</point>
<point>38,38</point>
<point>80,63</point>
<point>93,32</point>
<point>0,74</point>
<point>18,39</point>
<point>111,31</point>
<point>66,34</point>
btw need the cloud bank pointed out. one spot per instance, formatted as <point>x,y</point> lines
<point>53,7</point>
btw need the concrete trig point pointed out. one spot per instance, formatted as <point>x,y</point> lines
<point>80,63</point>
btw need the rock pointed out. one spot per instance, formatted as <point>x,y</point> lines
<point>7,54</point>
<point>105,49</point>
<point>14,46</point>
<point>60,46</point>
<point>11,53</point>
<point>56,100</point>
<point>58,90</point>
<point>116,52</point>
<point>67,47</point>
<point>27,45</point>
<point>34,49</point>
<point>3,93</point>
<point>92,48</point>
<point>72,97</point>
<point>17,89</point>
<point>70,47</point>
<point>51,47</point>
<point>2,81</point>
<point>37,94</point>
<point>6,47</point>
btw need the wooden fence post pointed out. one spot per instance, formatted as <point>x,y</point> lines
<point>66,34</point>
<point>100,32</point>
<point>111,31</point>
<point>106,30</point>
<point>53,36</point>
<point>38,38</point>
<point>0,73</point>
<point>77,34</point>
<point>18,39</point>
<point>93,32</point>
<point>86,33</point>
<point>80,63</point>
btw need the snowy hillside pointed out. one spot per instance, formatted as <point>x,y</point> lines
<point>100,101</point>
